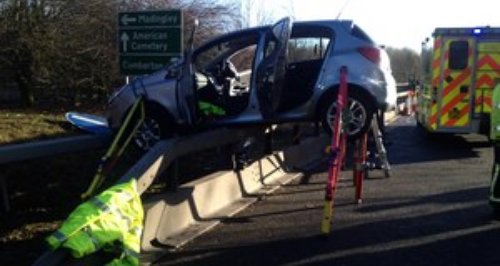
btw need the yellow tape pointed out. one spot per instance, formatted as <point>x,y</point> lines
<point>326,223</point>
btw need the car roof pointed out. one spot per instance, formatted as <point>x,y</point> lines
<point>346,24</point>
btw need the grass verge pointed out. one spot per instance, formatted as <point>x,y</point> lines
<point>18,126</point>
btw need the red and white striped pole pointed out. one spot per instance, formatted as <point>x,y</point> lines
<point>336,153</point>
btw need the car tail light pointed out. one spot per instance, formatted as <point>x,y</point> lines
<point>371,53</point>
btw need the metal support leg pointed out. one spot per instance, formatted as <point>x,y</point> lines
<point>359,170</point>
<point>381,122</point>
<point>5,193</point>
<point>379,143</point>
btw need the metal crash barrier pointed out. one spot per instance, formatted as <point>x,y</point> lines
<point>34,150</point>
<point>155,162</point>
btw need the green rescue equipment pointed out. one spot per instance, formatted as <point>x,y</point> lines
<point>210,109</point>
<point>110,220</point>
<point>495,137</point>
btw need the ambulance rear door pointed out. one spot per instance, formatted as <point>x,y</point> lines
<point>455,90</point>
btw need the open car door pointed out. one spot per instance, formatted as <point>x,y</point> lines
<point>185,91</point>
<point>270,77</point>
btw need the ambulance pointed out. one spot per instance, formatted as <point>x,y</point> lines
<point>460,68</point>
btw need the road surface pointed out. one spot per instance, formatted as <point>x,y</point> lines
<point>432,211</point>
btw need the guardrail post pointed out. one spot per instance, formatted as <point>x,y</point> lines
<point>5,193</point>
<point>268,148</point>
<point>316,129</point>
<point>172,175</point>
<point>296,134</point>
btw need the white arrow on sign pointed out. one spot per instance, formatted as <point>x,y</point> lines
<point>124,38</point>
<point>126,19</point>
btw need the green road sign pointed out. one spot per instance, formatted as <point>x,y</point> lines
<point>148,40</point>
<point>144,64</point>
<point>161,18</point>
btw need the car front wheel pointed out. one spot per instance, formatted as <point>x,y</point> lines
<point>155,126</point>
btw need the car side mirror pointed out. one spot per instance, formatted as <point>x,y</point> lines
<point>172,73</point>
<point>174,70</point>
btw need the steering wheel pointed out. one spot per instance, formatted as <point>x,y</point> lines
<point>229,70</point>
<point>225,70</point>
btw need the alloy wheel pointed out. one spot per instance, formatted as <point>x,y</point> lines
<point>356,116</point>
<point>148,134</point>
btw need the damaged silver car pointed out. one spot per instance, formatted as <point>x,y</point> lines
<point>286,72</point>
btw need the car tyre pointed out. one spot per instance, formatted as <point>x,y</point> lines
<point>361,110</point>
<point>157,125</point>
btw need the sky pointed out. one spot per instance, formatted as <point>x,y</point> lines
<point>395,23</point>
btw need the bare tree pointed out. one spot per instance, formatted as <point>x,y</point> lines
<point>66,50</point>
<point>258,12</point>
<point>405,63</point>
<point>16,54</point>
<point>58,48</point>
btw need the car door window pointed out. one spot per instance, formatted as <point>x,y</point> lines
<point>207,57</point>
<point>307,48</point>
<point>243,59</point>
<point>211,57</point>
<point>223,70</point>
<point>271,71</point>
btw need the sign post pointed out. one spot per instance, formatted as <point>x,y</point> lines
<point>148,40</point>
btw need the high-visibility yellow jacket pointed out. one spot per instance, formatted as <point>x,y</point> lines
<point>495,137</point>
<point>495,114</point>
<point>113,217</point>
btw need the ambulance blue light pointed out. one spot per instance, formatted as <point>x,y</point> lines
<point>477,31</point>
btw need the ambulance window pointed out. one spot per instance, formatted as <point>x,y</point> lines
<point>426,58</point>
<point>458,58</point>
